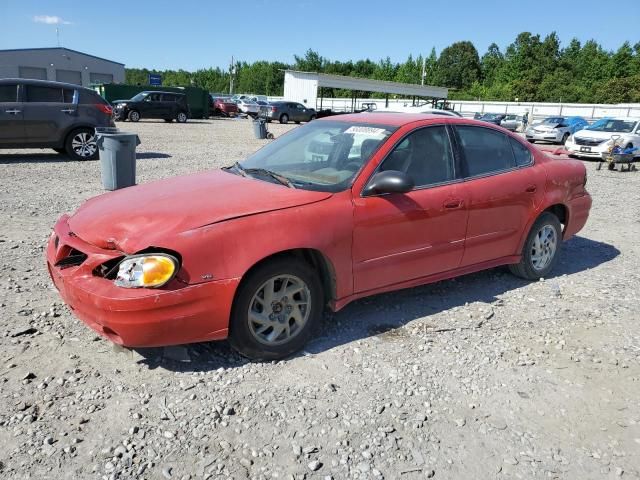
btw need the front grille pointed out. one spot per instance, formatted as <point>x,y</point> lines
<point>73,258</point>
<point>591,142</point>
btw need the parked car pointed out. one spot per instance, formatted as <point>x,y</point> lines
<point>249,107</point>
<point>511,122</point>
<point>495,118</point>
<point>477,115</point>
<point>168,106</point>
<point>224,107</point>
<point>555,129</point>
<point>592,141</point>
<point>43,114</point>
<point>285,111</point>
<point>396,202</point>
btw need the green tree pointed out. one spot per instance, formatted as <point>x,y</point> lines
<point>459,65</point>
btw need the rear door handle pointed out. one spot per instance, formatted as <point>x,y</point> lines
<point>13,112</point>
<point>531,189</point>
<point>451,204</point>
<point>68,110</point>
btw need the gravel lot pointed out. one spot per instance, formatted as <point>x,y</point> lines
<point>485,376</point>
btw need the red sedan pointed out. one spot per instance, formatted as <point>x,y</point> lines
<point>333,211</point>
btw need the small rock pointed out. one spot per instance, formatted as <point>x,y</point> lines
<point>315,465</point>
<point>166,472</point>
<point>168,434</point>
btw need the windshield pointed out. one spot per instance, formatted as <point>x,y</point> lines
<point>323,155</point>
<point>612,125</point>
<point>553,120</point>
<point>139,97</point>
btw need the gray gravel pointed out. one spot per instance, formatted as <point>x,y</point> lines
<point>485,376</point>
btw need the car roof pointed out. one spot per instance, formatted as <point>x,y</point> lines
<point>398,119</point>
<point>43,83</point>
<point>162,91</point>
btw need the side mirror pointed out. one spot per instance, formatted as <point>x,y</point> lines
<point>389,181</point>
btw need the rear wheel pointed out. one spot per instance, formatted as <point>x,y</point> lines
<point>168,120</point>
<point>540,252</point>
<point>284,118</point>
<point>312,118</point>
<point>181,117</point>
<point>275,309</point>
<point>531,140</point>
<point>81,144</point>
<point>564,138</point>
<point>134,116</point>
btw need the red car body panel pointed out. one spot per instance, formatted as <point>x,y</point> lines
<point>221,225</point>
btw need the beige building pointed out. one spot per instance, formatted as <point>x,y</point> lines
<point>59,64</point>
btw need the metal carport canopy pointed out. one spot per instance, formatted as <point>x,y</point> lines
<point>367,85</point>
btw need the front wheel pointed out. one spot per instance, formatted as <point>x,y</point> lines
<point>312,118</point>
<point>275,309</point>
<point>134,116</point>
<point>81,144</point>
<point>531,140</point>
<point>565,137</point>
<point>182,117</point>
<point>540,252</point>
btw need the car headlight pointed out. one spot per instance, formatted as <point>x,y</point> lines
<point>146,270</point>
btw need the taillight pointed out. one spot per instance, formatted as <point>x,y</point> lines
<point>104,108</point>
<point>273,109</point>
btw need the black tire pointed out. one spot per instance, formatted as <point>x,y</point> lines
<point>284,118</point>
<point>312,118</point>
<point>297,122</point>
<point>564,139</point>
<point>181,117</point>
<point>80,144</point>
<point>531,140</point>
<point>133,116</point>
<point>525,268</point>
<point>61,151</point>
<point>168,120</point>
<point>241,337</point>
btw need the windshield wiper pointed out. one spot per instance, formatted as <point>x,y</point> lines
<point>263,171</point>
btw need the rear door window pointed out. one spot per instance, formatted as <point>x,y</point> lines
<point>167,97</point>
<point>8,93</point>
<point>521,153</point>
<point>67,95</point>
<point>485,150</point>
<point>36,93</point>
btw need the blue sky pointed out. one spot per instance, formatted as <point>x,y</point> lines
<point>195,34</point>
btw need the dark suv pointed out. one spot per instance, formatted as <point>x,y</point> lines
<point>165,105</point>
<point>42,114</point>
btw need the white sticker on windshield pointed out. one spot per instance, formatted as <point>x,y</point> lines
<point>378,132</point>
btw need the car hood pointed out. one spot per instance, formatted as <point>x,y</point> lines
<point>134,218</point>
<point>599,135</point>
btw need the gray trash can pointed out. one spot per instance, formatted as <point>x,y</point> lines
<point>117,159</point>
<point>260,128</point>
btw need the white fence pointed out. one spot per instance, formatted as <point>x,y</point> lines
<point>469,108</point>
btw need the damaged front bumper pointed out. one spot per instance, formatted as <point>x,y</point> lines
<point>174,314</point>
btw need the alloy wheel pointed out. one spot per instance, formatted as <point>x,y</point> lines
<point>543,248</point>
<point>279,309</point>
<point>84,144</point>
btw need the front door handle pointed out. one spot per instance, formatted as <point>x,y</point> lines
<point>452,204</point>
<point>531,189</point>
<point>68,110</point>
<point>13,112</point>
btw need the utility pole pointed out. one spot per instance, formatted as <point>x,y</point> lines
<point>424,69</point>
<point>232,70</point>
<point>58,36</point>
